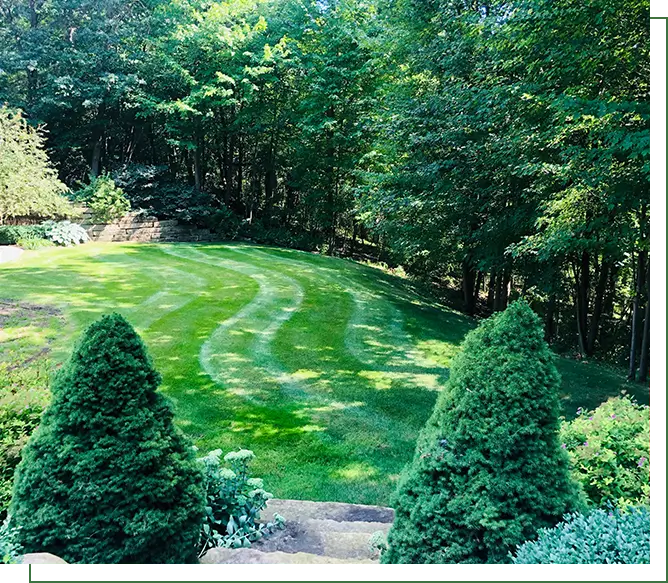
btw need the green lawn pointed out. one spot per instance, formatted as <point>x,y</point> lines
<point>325,368</point>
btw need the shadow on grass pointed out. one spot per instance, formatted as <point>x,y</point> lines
<point>340,421</point>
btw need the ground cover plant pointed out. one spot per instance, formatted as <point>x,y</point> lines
<point>312,362</point>
<point>106,478</point>
<point>476,486</point>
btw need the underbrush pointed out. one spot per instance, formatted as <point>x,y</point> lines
<point>24,393</point>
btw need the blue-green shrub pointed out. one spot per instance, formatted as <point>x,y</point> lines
<point>603,536</point>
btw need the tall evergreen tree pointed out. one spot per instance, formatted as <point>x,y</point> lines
<point>107,478</point>
<point>488,470</point>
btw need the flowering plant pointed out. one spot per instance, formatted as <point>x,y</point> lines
<point>609,451</point>
<point>234,502</point>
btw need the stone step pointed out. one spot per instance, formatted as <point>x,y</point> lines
<point>252,556</point>
<point>298,538</point>
<point>332,529</point>
<point>327,526</point>
<point>339,511</point>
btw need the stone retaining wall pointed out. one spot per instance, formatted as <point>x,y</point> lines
<point>142,228</point>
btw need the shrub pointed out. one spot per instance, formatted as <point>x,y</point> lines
<point>281,236</point>
<point>106,478</point>
<point>603,536</point>
<point>12,234</point>
<point>225,223</point>
<point>65,233</point>
<point>488,469</point>
<point>609,451</point>
<point>10,550</point>
<point>153,189</point>
<point>32,244</point>
<point>105,200</point>
<point>29,185</point>
<point>234,503</point>
<point>23,396</point>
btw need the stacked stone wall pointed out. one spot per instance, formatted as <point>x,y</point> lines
<point>142,228</point>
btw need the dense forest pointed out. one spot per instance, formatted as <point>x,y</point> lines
<point>499,149</point>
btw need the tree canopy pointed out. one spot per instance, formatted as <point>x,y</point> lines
<point>500,148</point>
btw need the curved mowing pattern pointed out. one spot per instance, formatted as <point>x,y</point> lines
<point>375,333</point>
<point>278,298</point>
<point>326,369</point>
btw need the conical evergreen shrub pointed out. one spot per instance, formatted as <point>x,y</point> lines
<point>107,478</point>
<point>488,469</point>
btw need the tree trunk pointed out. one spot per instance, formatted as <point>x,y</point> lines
<point>598,307</point>
<point>240,171</point>
<point>468,287</point>
<point>478,284</point>
<point>643,369</point>
<point>95,163</point>
<point>550,324</point>
<point>635,318</point>
<point>227,165</point>
<point>490,291</point>
<point>606,329</point>
<point>581,298</point>
<point>504,291</point>
<point>31,72</point>
<point>197,166</point>
<point>353,243</point>
<point>498,291</point>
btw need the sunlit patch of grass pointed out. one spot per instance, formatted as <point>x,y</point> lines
<point>331,401</point>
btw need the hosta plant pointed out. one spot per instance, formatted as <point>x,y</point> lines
<point>65,233</point>
<point>234,502</point>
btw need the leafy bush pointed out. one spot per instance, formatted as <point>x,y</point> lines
<point>225,223</point>
<point>234,503</point>
<point>603,536</point>
<point>153,189</point>
<point>32,244</point>
<point>280,236</point>
<point>23,396</point>
<point>28,183</point>
<point>488,469</point>
<point>106,201</point>
<point>106,478</point>
<point>65,233</point>
<point>609,451</point>
<point>10,550</point>
<point>12,234</point>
